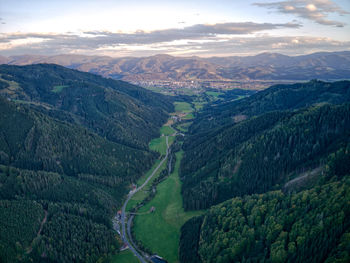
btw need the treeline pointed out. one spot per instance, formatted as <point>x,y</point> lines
<point>309,226</point>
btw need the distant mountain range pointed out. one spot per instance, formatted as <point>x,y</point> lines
<point>265,66</point>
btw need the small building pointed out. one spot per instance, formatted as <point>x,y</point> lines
<point>124,247</point>
<point>152,209</point>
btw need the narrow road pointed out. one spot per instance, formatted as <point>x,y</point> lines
<point>125,236</point>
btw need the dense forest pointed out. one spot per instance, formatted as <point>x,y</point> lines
<point>116,110</point>
<point>43,143</point>
<point>280,169</point>
<point>311,225</point>
<point>263,152</point>
<point>71,144</point>
<point>78,217</point>
<point>275,98</point>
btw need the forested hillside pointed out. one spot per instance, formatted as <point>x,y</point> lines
<point>260,153</point>
<point>71,144</point>
<point>287,165</point>
<point>119,111</point>
<point>43,143</point>
<point>76,226</point>
<point>309,226</point>
<point>275,98</point>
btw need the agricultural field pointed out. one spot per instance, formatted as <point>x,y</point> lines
<point>158,145</point>
<point>167,130</point>
<point>142,194</point>
<point>183,107</point>
<point>214,93</point>
<point>189,116</point>
<point>183,127</point>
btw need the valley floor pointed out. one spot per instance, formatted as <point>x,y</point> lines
<point>160,231</point>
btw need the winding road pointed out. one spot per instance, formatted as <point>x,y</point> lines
<point>126,234</point>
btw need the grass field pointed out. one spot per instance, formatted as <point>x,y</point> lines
<point>183,107</point>
<point>199,105</point>
<point>160,231</point>
<point>125,256</point>
<point>167,130</point>
<point>142,179</point>
<point>214,93</point>
<point>142,194</point>
<point>58,89</point>
<point>188,116</point>
<point>184,126</point>
<point>158,145</point>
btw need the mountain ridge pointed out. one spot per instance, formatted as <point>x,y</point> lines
<point>264,66</point>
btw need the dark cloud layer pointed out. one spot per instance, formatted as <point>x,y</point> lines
<point>315,10</point>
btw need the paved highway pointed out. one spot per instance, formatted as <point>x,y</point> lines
<point>125,236</point>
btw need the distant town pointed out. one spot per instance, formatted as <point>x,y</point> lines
<point>198,86</point>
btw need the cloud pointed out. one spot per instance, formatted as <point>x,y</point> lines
<point>199,31</point>
<point>315,10</point>
<point>296,45</point>
<point>208,40</point>
<point>96,40</point>
<point>208,47</point>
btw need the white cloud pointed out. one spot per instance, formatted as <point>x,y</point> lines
<point>315,10</point>
<point>222,46</point>
<point>99,40</point>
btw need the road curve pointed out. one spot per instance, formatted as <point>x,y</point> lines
<point>130,195</point>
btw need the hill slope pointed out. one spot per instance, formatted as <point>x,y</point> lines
<point>270,143</point>
<point>312,225</point>
<point>275,98</point>
<point>31,140</point>
<point>288,169</point>
<point>119,111</point>
<point>70,145</point>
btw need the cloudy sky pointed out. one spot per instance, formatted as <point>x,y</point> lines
<point>182,28</point>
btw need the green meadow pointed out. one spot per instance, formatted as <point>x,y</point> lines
<point>160,231</point>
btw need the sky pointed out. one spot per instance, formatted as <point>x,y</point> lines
<point>119,28</point>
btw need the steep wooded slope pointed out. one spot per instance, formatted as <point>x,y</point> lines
<point>119,111</point>
<point>254,145</point>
